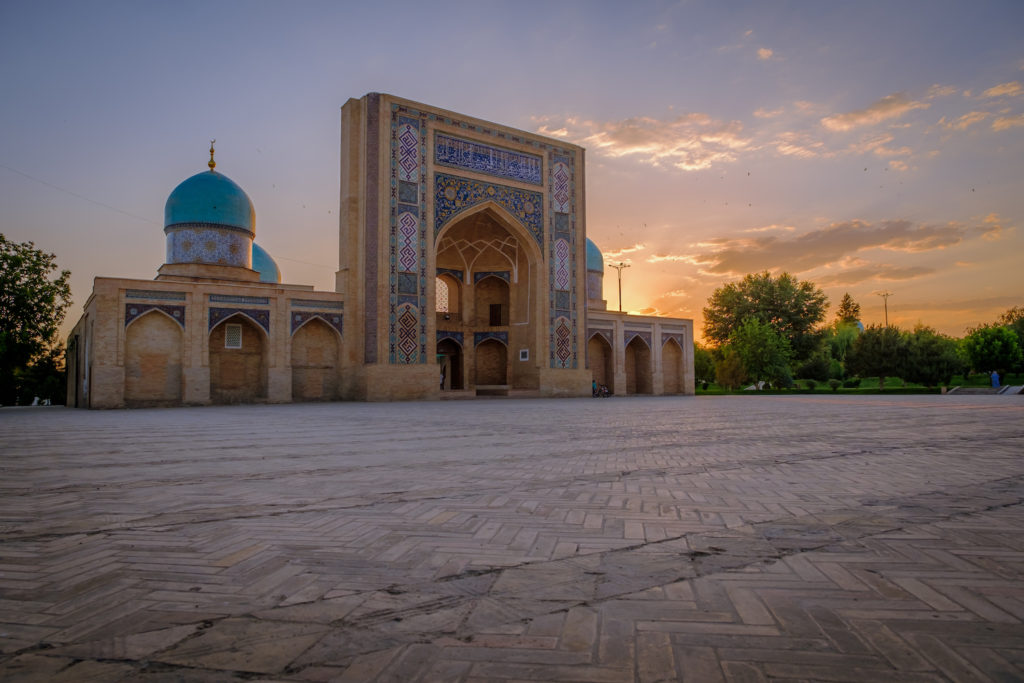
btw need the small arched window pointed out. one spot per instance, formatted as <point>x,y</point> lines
<point>442,296</point>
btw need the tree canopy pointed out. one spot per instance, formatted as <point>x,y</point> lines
<point>764,352</point>
<point>932,358</point>
<point>848,311</point>
<point>792,308</point>
<point>878,351</point>
<point>32,306</point>
<point>992,347</point>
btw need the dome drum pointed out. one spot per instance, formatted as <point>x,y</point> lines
<point>213,245</point>
<point>209,219</point>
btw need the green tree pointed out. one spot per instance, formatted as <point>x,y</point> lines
<point>1014,319</point>
<point>729,372</point>
<point>848,311</point>
<point>32,306</point>
<point>703,364</point>
<point>932,358</point>
<point>791,307</point>
<point>764,352</point>
<point>992,347</point>
<point>839,339</point>
<point>878,351</point>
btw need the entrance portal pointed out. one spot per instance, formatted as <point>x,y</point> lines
<point>449,358</point>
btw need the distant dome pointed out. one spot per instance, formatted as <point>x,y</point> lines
<point>265,265</point>
<point>595,260</point>
<point>211,199</point>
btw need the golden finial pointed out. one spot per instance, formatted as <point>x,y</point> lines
<point>212,163</point>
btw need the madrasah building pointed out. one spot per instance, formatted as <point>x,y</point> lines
<point>464,270</point>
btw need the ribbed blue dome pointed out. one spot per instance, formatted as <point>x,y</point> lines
<point>210,198</point>
<point>595,261</point>
<point>265,265</point>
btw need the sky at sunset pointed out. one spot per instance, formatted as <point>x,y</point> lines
<point>865,146</point>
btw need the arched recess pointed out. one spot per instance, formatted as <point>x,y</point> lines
<point>491,302</point>
<point>449,360</point>
<point>491,363</point>
<point>238,375</point>
<point>672,367</point>
<point>152,360</point>
<point>602,361</point>
<point>448,295</point>
<point>638,367</point>
<point>315,362</point>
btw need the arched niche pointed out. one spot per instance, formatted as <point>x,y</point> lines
<point>672,367</point>
<point>602,361</point>
<point>315,353</point>
<point>490,363</point>
<point>638,367</point>
<point>238,373</point>
<point>152,360</point>
<point>450,364</point>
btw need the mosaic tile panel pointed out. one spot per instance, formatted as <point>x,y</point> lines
<point>630,335</point>
<point>260,316</point>
<point>457,274</point>
<point>135,311</point>
<point>453,195</point>
<point>316,303</point>
<point>406,337</point>
<point>563,342</point>
<point>216,246</point>
<point>408,242</point>
<point>453,335</point>
<point>607,334</point>
<point>560,186</point>
<point>407,237</point>
<point>502,274</point>
<point>154,294</point>
<point>562,265</point>
<point>300,318</point>
<point>371,228</point>
<point>679,337</point>
<point>229,299</point>
<point>480,337</point>
<point>482,158</point>
<point>408,137</point>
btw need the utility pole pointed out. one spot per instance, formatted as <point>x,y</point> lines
<point>885,295</point>
<point>619,266</point>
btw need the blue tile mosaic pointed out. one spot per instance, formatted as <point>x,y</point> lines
<point>300,318</point>
<point>154,294</point>
<point>259,316</point>
<point>218,246</point>
<point>135,311</point>
<point>449,334</point>
<point>316,303</point>
<point>480,337</point>
<point>502,274</point>
<point>496,161</point>
<point>453,195</point>
<point>231,299</point>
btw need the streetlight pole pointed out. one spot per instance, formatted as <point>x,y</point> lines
<point>885,295</point>
<point>619,266</point>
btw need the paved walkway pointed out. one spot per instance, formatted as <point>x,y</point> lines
<point>715,538</point>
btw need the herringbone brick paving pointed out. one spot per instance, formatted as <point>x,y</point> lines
<point>733,539</point>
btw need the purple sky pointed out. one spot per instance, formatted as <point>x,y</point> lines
<point>865,146</point>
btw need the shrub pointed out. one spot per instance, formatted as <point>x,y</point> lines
<point>835,384</point>
<point>810,384</point>
<point>852,383</point>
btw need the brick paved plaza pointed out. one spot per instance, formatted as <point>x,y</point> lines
<point>733,538</point>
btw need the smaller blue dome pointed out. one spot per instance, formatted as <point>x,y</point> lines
<point>210,198</point>
<point>595,260</point>
<point>263,264</point>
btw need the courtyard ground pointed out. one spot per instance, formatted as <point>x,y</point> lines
<point>739,538</point>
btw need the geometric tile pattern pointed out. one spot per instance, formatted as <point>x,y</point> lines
<point>300,318</point>
<point>408,152</point>
<point>563,342</point>
<point>476,156</point>
<point>133,311</point>
<point>679,337</point>
<point>560,179</point>
<point>407,342</point>
<point>259,316</point>
<point>190,243</point>
<point>709,539</point>
<point>630,335</point>
<point>561,265</point>
<point>408,241</point>
<point>453,195</point>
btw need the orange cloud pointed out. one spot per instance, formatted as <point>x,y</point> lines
<point>889,107</point>
<point>966,121</point>
<point>1007,122</point>
<point>764,54</point>
<point>688,142</point>
<point>879,271</point>
<point>1011,89</point>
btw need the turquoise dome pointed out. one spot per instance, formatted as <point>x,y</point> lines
<point>210,199</point>
<point>595,261</point>
<point>265,265</point>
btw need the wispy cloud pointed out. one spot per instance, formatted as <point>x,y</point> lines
<point>688,142</point>
<point>619,254</point>
<point>731,256</point>
<point>966,121</point>
<point>889,107</point>
<point>939,90</point>
<point>763,113</point>
<point>772,228</point>
<point>874,271</point>
<point>1006,122</point>
<point>764,54</point>
<point>1011,89</point>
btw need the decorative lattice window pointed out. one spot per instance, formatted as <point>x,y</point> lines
<point>232,336</point>
<point>442,296</point>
